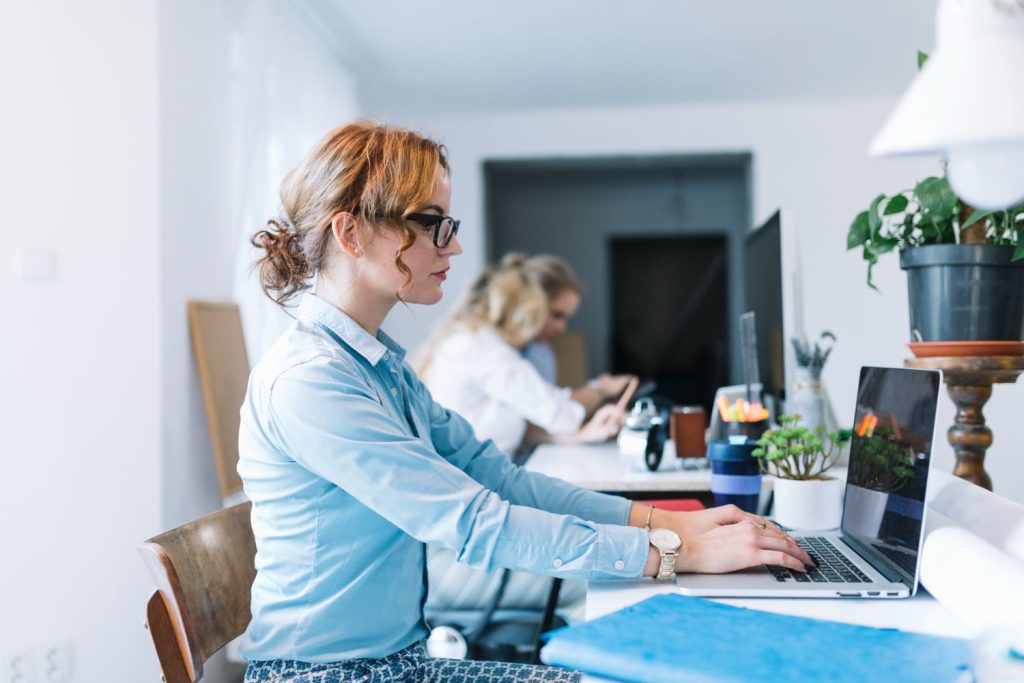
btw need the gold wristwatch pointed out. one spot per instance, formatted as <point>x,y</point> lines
<point>667,543</point>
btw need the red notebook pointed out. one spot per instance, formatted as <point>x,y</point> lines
<point>675,504</point>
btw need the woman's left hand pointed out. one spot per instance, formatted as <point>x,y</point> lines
<point>692,523</point>
<point>604,425</point>
<point>697,522</point>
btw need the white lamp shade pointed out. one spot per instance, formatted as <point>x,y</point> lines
<point>971,90</point>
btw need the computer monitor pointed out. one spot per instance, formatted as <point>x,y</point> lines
<point>772,292</point>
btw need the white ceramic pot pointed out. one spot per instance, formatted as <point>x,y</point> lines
<point>814,505</point>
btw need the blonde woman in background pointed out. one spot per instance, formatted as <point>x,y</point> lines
<point>563,291</point>
<point>500,392</point>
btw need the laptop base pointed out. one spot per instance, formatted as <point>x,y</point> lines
<point>759,582</point>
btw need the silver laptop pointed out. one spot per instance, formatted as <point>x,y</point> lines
<point>876,551</point>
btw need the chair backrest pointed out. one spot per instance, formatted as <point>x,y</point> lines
<point>571,358</point>
<point>204,572</point>
<point>219,345</point>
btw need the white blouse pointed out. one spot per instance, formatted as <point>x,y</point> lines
<point>487,381</point>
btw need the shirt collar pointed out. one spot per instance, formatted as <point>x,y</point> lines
<point>314,309</point>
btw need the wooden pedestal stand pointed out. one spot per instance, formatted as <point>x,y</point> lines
<point>969,381</point>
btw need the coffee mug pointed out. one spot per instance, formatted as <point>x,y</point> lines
<point>687,431</point>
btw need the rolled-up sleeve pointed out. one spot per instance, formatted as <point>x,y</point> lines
<point>333,424</point>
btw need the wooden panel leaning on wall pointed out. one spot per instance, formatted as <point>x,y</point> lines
<point>219,345</point>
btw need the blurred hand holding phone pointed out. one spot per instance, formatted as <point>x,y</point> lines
<point>627,394</point>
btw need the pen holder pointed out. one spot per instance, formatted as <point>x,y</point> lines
<point>751,430</point>
<point>735,474</point>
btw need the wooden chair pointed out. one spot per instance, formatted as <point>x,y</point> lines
<point>221,358</point>
<point>204,572</point>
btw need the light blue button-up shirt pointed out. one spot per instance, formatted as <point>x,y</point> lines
<point>352,467</point>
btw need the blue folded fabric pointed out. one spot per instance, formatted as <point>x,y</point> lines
<point>677,638</point>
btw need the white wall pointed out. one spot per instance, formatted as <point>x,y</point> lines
<point>79,355</point>
<point>139,142</point>
<point>245,91</point>
<point>809,157</point>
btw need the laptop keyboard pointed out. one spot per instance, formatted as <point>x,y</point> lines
<point>832,565</point>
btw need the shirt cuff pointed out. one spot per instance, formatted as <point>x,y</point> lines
<point>622,552</point>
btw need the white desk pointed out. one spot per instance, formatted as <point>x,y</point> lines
<point>600,467</point>
<point>603,468</point>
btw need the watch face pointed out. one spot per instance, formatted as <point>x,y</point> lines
<point>665,539</point>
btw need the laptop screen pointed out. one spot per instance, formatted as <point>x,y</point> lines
<point>890,451</point>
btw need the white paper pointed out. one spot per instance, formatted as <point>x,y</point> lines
<point>979,583</point>
<point>991,517</point>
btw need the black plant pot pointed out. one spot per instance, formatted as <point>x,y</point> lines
<point>964,292</point>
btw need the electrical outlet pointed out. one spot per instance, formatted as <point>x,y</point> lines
<point>35,265</point>
<point>17,667</point>
<point>55,663</point>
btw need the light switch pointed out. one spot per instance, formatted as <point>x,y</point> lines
<point>35,265</point>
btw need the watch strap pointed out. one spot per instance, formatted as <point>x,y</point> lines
<point>667,568</point>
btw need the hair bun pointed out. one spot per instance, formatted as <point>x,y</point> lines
<point>278,233</point>
<point>283,268</point>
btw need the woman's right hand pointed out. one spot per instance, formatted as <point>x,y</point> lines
<point>739,546</point>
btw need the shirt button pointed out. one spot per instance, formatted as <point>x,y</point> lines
<point>620,565</point>
<point>385,355</point>
<point>557,563</point>
<point>394,391</point>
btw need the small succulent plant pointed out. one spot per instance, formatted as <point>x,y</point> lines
<point>795,452</point>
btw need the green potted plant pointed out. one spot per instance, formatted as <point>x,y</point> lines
<point>883,466</point>
<point>965,268</point>
<point>799,458</point>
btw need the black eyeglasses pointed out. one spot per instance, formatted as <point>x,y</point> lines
<point>444,227</point>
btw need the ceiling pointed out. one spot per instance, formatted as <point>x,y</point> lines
<point>485,55</point>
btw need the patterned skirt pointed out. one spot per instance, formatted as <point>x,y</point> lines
<point>411,664</point>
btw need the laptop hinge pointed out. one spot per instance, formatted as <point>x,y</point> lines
<point>881,563</point>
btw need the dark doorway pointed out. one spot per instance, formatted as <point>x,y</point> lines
<point>669,313</point>
<point>574,208</point>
